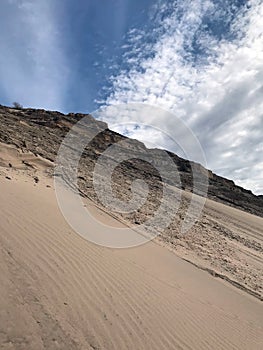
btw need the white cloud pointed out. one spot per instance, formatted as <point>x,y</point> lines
<point>212,80</point>
<point>32,64</point>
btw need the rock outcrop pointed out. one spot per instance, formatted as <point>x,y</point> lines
<point>42,132</point>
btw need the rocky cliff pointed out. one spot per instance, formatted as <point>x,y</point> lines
<point>42,132</point>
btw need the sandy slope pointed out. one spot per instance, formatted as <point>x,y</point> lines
<point>225,241</point>
<point>59,291</point>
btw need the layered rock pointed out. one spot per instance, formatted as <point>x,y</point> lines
<point>42,132</point>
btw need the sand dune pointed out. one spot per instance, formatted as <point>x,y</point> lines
<point>59,291</point>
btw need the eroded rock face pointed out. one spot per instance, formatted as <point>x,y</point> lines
<point>217,242</point>
<point>42,132</point>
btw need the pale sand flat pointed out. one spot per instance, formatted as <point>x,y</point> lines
<point>59,291</point>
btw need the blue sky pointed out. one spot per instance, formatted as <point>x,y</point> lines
<point>201,60</point>
<point>67,48</point>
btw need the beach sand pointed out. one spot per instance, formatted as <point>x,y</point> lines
<point>59,291</point>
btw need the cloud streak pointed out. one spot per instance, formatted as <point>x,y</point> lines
<point>33,67</point>
<point>209,72</point>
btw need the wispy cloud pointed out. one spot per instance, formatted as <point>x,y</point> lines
<point>203,60</point>
<point>33,67</point>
